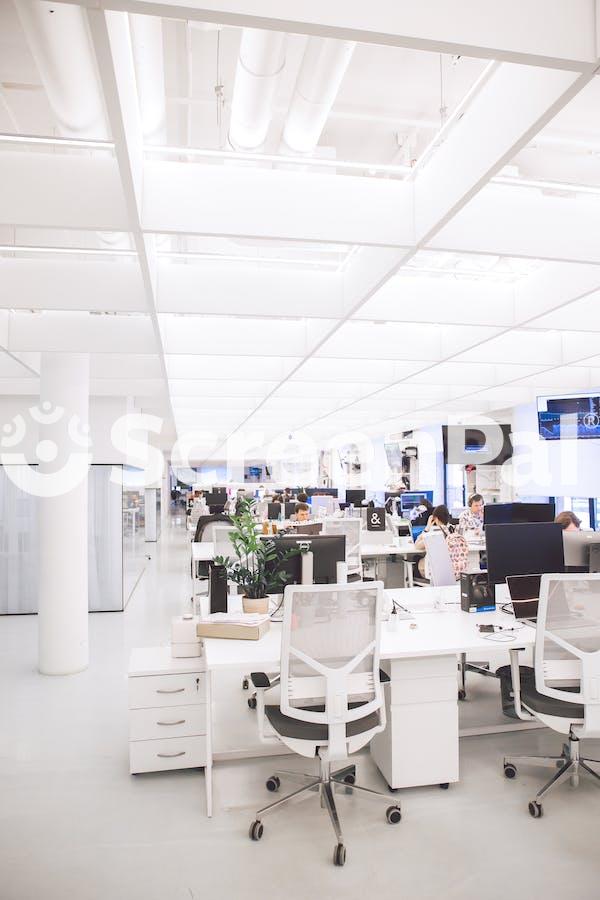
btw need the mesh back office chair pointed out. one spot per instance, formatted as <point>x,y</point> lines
<point>222,542</point>
<point>331,696</point>
<point>563,690</point>
<point>351,528</point>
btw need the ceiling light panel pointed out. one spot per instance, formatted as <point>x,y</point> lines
<point>196,389</point>
<point>581,315</point>
<point>230,368</point>
<point>539,348</point>
<point>334,390</point>
<point>421,299</point>
<point>244,337</point>
<point>366,371</point>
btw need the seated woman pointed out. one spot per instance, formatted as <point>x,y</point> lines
<point>568,520</point>
<point>439,520</point>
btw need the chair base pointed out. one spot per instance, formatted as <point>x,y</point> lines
<point>569,765</point>
<point>482,668</point>
<point>324,784</point>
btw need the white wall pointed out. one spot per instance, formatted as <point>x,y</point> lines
<point>552,468</point>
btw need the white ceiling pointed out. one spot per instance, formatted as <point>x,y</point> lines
<point>249,294</point>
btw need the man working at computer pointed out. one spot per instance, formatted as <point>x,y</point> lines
<point>471,520</point>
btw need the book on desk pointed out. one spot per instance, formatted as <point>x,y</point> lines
<point>240,626</point>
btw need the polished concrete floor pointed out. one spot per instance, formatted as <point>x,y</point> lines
<point>74,823</point>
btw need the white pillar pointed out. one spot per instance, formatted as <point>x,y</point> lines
<point>63,453</point>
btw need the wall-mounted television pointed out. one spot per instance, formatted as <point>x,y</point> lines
<point>573,416</point>
<point>471,445</point>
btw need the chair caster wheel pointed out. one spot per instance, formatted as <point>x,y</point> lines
<point>256,830</point>
<point>509,770</point>
<point>252,702</point>
<point>273,783</point>
<point>445,785</point>
<point>393,814</point>
<point>339,855</point>
<point>245,684</point>
<point>462,695</point>
<point>535,809</point>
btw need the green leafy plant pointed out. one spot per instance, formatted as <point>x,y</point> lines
<point>254,566</point>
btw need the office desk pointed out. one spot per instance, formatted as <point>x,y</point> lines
<point>420,745</point>
<point>406,553</point>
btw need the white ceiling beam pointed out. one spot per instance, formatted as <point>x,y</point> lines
<point>511,104</point>
<point>261,203</point>
<point>112,44</point>
<point>56,190</point>
<point>561,34</point>
<point>524,222</point>
<point>67,284</point>
<point>231,288</point>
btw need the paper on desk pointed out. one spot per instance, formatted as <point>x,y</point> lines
<point>249,619</point>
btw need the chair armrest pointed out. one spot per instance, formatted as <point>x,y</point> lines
<point>262,681</point>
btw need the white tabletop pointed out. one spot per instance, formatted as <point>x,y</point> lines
<point>372,550</point>
<point>438,632</point>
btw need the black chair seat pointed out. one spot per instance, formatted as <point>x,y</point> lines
<point>313,731</point>
<point>548,706</point>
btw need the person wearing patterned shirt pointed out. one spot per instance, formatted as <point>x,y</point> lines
<point>471,519</point>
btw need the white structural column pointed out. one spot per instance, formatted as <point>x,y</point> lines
<point>63,517</point>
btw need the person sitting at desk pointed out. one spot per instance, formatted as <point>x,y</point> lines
<point>302,497</point>
<point>439,520</point>
<point>472,518</point>
<point>568,520</point>
<point>422,512</point>
<point>302,513</point>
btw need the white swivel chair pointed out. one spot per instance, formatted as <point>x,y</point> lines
<point>437,560</point>
<point>352,529</point>
<point>563,689</point>
<point>331,696</point>
<point>221,539</point>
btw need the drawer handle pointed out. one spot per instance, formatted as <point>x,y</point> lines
<point>176,691</point>
<point>178,722</point>
<point>171,755</point>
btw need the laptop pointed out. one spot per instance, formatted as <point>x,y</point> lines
<point>524,593</point>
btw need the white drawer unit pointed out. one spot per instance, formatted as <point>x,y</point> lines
<point>169,714</point>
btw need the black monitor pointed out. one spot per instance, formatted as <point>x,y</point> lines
<point>355,497</point>
<point>290,510</point>
<point>327,550</point>
<point>215,497</point>
<point>273,510</point>
<point>326,492</point>
<point>215,508</point>
<point>505,513</point>
<point>523,549</point>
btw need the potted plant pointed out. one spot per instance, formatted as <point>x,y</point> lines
<point>253,567</point>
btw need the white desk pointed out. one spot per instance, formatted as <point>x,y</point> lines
<point>388,551</point>
<point>420,743</point>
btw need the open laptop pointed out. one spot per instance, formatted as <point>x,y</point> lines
<point>524,593</point>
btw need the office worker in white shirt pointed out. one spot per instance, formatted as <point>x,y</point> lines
<point>471,520</point>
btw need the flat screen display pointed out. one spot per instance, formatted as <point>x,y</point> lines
<point>569,417</point>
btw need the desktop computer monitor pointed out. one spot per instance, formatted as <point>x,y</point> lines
<point>578,546</point>
<point>273,510</point>
<point>290,509</point>
<point>411,499</point>
<point>505,513</point>
<point>523,549</point>
<point>326,492</point>
<point>327,550</point>
<point>355,497</point>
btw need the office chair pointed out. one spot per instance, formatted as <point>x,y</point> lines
<point>563,689</point>
<point>352,529</point>
<point>441,571</point>
<point>331,701</point>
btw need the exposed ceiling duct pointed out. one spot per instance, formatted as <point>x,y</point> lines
<point>260,63</point>
<point>58,38</point>
<point>148,57</point>
<point>321,72</point>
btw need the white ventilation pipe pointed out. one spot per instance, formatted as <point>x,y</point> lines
<point>148,58</point>
<point>321,72</point>
<point>260,63</point>
<point>58,38</point>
